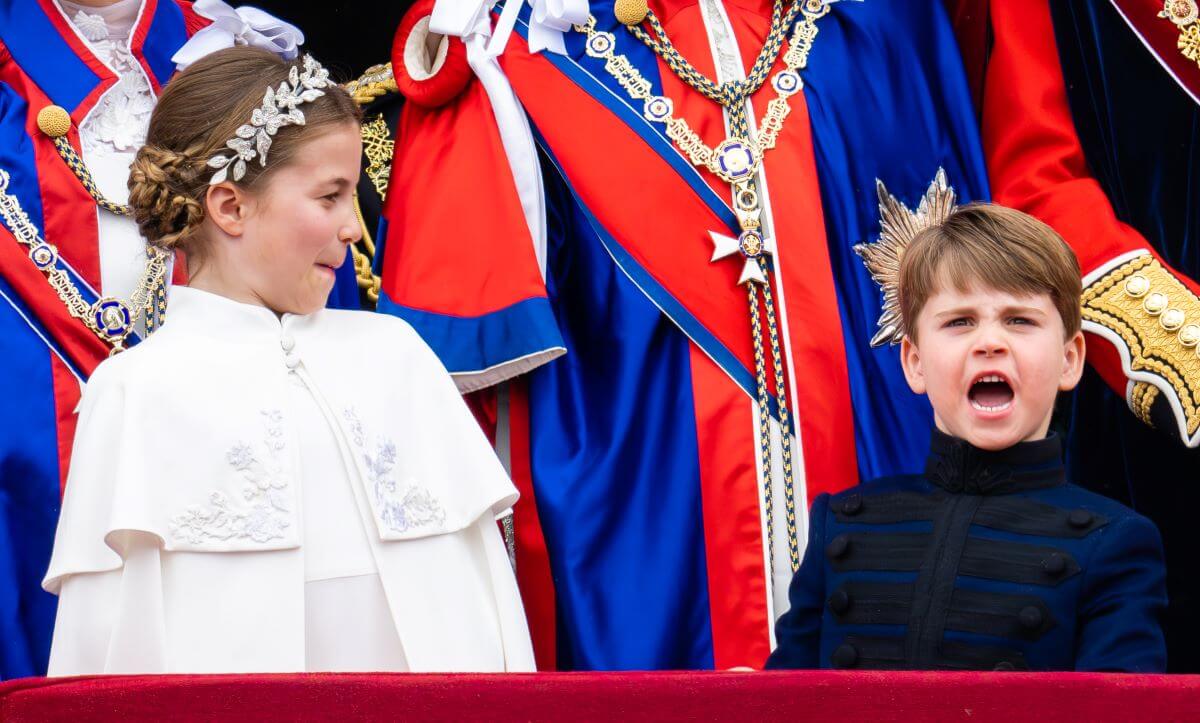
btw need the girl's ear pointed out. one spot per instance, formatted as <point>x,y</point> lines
<point>227,206</point>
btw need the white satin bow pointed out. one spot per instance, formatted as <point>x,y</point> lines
<point>548,21</point>
<point>238,26</point>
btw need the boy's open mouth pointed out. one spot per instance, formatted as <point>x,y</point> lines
<point>990,393</point>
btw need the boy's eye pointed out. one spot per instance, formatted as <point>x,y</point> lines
<point>960,321</point>
<point>1022,321</point>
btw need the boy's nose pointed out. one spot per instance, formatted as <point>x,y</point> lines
<point>990,344</point>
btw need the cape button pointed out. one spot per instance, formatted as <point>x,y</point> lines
<point>292,360</point>
<point>1031,617</point>
<point>54,121</point>
<point>845,656</point>
<point>838,547</point>
<point>1079,519</point>
<point>852,505</point>
<point>288,342</point>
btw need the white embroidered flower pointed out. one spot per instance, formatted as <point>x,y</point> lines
<point>266,514</point>
<point>400,510</point>
<point>241,456</point>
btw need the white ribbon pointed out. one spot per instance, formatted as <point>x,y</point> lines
<point>548,21</point>
<point>238,26</point>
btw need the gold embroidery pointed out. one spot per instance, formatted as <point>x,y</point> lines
<point>1185,13</point>
<point>1149,309</point>
<point>378,147</point>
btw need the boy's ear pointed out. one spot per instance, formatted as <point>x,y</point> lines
<point>910,360</point>
<point>226,206</point>
<point>1074,352</point>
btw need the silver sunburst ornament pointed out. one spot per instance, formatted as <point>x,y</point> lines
<point>898,227</point>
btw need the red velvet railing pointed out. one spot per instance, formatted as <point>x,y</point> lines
<point>623,697</point>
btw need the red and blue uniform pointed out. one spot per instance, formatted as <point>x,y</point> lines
<point>46,352</point>
<point>640,533</point>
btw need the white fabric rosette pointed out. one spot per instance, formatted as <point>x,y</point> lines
<point>238,26</point>
<point>548,21</point>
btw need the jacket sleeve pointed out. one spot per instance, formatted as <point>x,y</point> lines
<point>461,221</point>
<point>798,631</point>
<point>1037,165</point>
<point>1122,600</point>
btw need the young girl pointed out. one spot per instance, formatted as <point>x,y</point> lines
<point>265,485</point>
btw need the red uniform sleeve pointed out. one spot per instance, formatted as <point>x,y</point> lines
<point>1141,316</point>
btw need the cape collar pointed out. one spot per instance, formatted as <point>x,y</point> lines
<point>957,466</point>
<point>193,311</point>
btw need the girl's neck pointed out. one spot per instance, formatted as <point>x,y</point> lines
<point>210,277</point>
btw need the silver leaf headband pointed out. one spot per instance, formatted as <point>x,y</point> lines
<point>279,109</point>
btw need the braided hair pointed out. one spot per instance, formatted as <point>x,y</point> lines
<point>199,111</point>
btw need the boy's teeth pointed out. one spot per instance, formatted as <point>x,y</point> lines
<point>989,378</point>
<point>997,408</point>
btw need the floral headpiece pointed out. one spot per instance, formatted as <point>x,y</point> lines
<point>279,109</point>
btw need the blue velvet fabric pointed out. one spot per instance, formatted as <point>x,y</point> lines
<point>1105,615</point>
<point>1140,133</point>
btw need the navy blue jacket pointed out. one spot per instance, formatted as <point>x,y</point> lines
<point>987,561</point>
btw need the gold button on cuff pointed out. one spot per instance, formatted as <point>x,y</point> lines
<point>1172,319</point>
<point>630,12</point>
<point>1137,286</point>
<point>1155,304</point>
<point>54,121</point>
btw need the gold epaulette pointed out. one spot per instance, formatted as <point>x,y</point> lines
<point>1141,305</point>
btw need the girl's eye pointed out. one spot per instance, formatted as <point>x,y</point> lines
<point>333,197</point>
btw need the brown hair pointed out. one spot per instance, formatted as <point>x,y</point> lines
<point>201,109</point>
<point>998,247</point>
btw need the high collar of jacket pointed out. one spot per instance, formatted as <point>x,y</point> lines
<point>208,314</point>
<point>958,466</point>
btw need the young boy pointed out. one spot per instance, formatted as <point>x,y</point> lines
<point>990,560</point>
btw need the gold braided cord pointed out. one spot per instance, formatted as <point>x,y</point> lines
<point>376,82</point>
<point>1142,400</point>
<point>80,169</point>
<point>737,161</point>
<point>784,422</point>
<point>733,91</point>
<point>764,423</point>
<point>364,258</point>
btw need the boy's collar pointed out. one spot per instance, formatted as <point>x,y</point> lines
<point>958,466</point>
